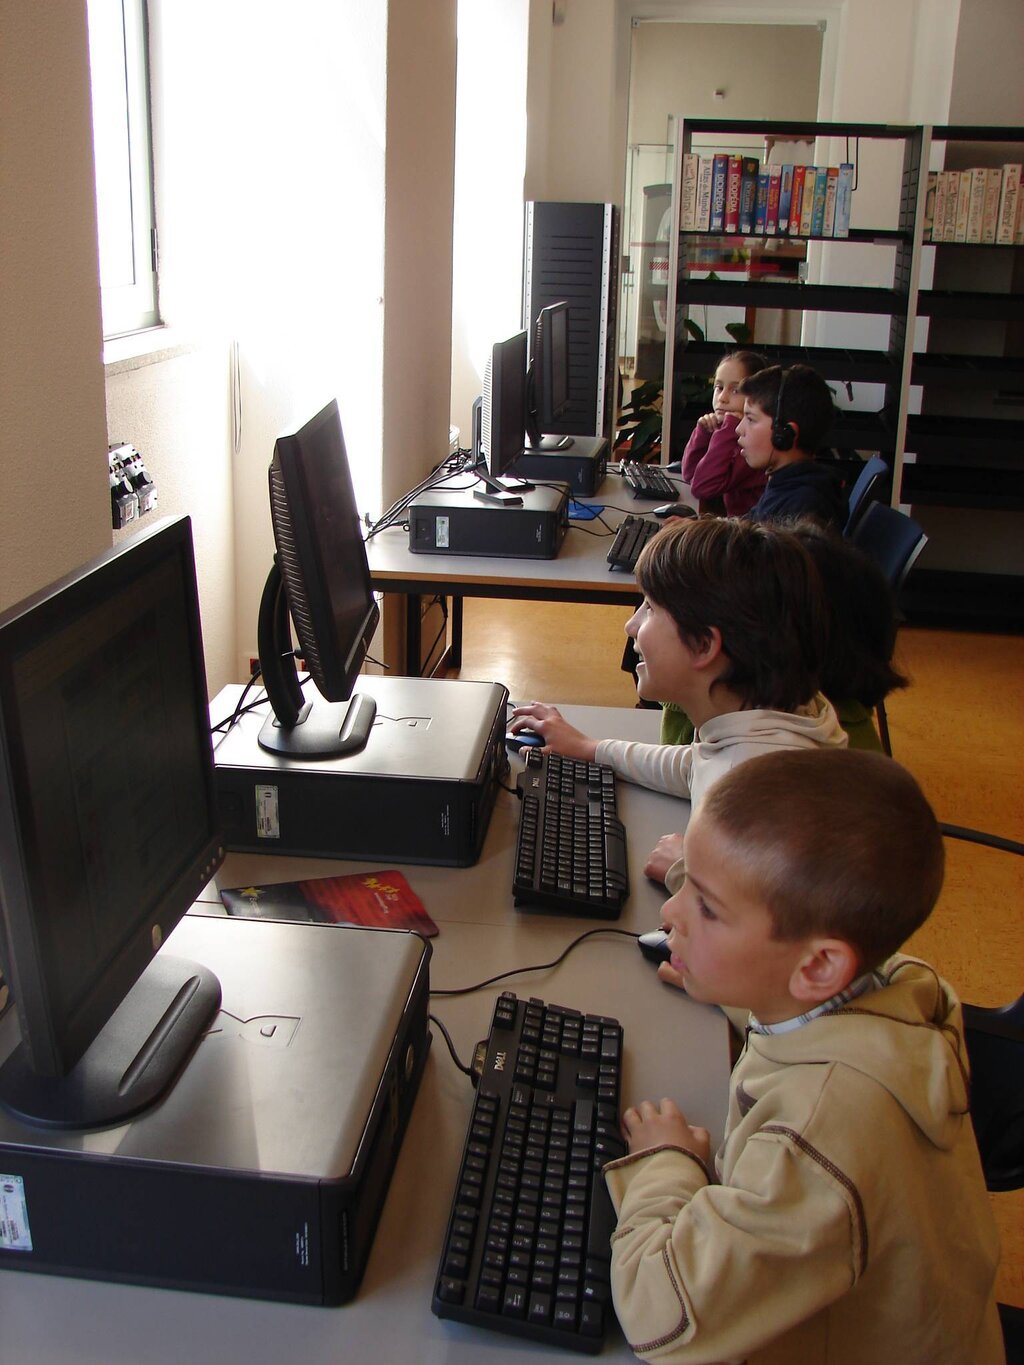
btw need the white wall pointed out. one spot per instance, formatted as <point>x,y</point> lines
<point>55,503</point>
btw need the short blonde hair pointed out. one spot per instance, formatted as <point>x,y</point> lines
<point>838,842</point>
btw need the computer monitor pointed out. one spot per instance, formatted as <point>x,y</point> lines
<point>548,380</point>
<point>108,832</point>
<point>321,581</point>
<point>503,418</point>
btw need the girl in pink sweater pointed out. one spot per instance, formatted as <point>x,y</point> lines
<point>713,464</point>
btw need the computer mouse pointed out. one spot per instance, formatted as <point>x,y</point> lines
<point>674,509</point>
<point>523,739</point>
<point>654,945</point>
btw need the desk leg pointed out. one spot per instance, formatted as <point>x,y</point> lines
<point>455,643</point>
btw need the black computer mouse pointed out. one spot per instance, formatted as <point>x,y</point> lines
<point>523,739</point>
<point>674,509</point>
<point>654,945</point>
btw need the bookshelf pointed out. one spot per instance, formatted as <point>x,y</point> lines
<point>932,375</point>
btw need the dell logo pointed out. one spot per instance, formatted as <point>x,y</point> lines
<point>499,1061</point>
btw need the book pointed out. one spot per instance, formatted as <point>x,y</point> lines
<point>785,197</point>
<point>748,193</point>
<point>720,170</point>
<point>376,900</point>
<point>796,201</point>
<point>702,218</point>
<point>941,200</point>
<point>818,203</point>
<point>807,202</point>
<point>1009,197</point>
<point>929,206</point>
<point>990,212</point>
<point>688,192</point>
<point>761,204</point>
<point>963,206</point>
<point>733,182</point>
<point>771,222</point>
<point>844,200</point>
<point>975,203</point>
<point>829,215</point>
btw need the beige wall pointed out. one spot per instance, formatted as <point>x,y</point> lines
<point>54,503</point>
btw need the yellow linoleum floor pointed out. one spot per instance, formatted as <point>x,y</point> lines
<point>959,728</point>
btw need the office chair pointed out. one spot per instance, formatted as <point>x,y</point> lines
<point>868,487</point>
<point>894,541</point>
<point>995,1048</point>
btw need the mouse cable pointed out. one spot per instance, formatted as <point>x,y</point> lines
<point>537,967</point>
<point>467,1071</point>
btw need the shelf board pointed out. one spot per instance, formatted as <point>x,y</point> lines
<point>792,129</point>
<point>968,371</point>
<point>825,298</point>
<point>962,486</point>
<point>862,236</point>
<point>831,362</point>
<point>958,303</point>
<point>965,440</point>
<point>981,601</point>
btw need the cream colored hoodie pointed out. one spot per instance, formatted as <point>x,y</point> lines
<point>847,1222</point>
<point>688,770</point>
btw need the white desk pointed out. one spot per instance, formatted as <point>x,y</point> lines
<point>579,572</point>
<point>672,1046</point>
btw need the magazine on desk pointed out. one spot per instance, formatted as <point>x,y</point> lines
<point>376,900</point>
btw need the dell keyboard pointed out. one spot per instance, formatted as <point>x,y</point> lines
<point>630,538</point>
<point>648,481</point>
<point>571,847</point>
<point>527,1249</point>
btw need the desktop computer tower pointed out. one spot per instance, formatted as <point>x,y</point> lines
<point>262,1172</point>
<point>454,522</point>
<point>572,253</point>
<point>582,466</point>
<point>421,791</point>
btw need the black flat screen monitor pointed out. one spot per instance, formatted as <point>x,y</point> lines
<point>503,417</point>
<point>548,382</point>
<point>108,831</point>
<point>320,581</point>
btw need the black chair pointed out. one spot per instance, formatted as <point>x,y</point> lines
<point>995,1048</point>
<point>868,487</point>
<point>894,541</point>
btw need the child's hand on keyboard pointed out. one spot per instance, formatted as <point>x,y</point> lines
<point>665,853</point>
<point>559,736</point>
<point>649,1125</point>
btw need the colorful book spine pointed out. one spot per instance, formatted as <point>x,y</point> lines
<point>720,171</point>
<point>748,193</point>
<point>990,213</point>
<point>829,217</point>
<point>796,202</point>
<point>702,220</point>
<point>952,194</point>
<point>941,201</point>
<point>733,180</point>
<point>963,206</point>
<point>771,221</point>
<point>688,192</point>
<point>1009,198</point>
<point>807,203</point>
<point>930,193</point>
<point>818,203</point>
<point>761,204</point>
<point>976,203</point>
<point>844,200</point>
<point>785,197</point>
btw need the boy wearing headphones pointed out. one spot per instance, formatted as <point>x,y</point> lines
<point>786,416</point>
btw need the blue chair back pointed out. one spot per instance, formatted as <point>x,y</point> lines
<point>891,538</point>
<point>868,485</point>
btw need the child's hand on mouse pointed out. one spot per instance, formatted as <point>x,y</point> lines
<point>649,1125</point>
<point>558,735</point>
<point>667,851</point>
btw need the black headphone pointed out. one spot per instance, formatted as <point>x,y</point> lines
<point>783,435</point>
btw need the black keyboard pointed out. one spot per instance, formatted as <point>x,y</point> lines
<point>571,847</point>
<point>527,1247</point>
<point>648,481</point>
<point>632,535</point>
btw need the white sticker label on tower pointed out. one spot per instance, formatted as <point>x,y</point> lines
<point>268,822</point>
<point>441,537</point>
<point>15,1233</point>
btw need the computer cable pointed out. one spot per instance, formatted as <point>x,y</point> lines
<point>536,967</point>
<point>467,1071</point>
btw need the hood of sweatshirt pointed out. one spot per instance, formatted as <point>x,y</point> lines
<point>815,725</point>
<point>906,1036</point>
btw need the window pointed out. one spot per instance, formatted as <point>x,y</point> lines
<point>124,181</point>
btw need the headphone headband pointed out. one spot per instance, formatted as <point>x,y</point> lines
<point>783,435</point>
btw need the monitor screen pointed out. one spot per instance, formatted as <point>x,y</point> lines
<point>108,824</point>
<point>321,582</point>
<point>548,392</point>
<point>503,417</point>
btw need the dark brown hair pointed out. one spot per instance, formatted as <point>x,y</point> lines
<point>806,401</point>
<point>757,584</point>
<point>752,361</point>
<point>836,841</point>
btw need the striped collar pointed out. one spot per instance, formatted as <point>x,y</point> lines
<point>868,982</point>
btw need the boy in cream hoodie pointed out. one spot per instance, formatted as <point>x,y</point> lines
<point>733,629</point>
<point>845,1218</point>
